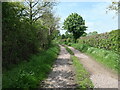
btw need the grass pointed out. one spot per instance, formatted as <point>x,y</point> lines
<point>69,50</point>
<point>108,58</point>
<point>30,74</point>
<point>82,76</point>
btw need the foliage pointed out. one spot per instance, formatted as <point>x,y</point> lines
<point>34,10</point>
<point>30,74</point>
<point>19,40</point>
<point>75,24</point>
<point>82,76</point>
<point>115,6</point>
<point>108,58</point>
<point>63,36</point>
<point>23,36</point>
<point>84,34</point>
<point>108,41</point>
<point>92,33</point>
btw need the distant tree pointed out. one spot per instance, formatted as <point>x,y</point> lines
<point>75,24</point>
<point>84,34</point>
<point>92,33</point>
<point>51,21</point>
<point>115,6</point>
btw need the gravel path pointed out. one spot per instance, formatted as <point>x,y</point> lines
<point>62,75</point>
<point>100,76</point>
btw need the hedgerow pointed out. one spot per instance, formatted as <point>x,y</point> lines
<point>108,41</point>
<point>30,74</point>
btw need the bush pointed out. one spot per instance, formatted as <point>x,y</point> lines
<point>20,38</point>
<point>108,41</point>
<point>81,47</point>
<point>30,74</point>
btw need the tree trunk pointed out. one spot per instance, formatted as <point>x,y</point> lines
<point>31,13</point>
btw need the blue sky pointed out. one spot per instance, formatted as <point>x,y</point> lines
<point>94,14</point>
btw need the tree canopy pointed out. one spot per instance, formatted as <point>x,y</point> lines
<point>75,24</point>
<point>115,6</point>
<point>92,33</point>
<point>26,30</point>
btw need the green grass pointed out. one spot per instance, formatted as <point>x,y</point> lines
<point>69,50</point>
<point>108,58</point>
<point>30,74</point>
<point>82,76</point>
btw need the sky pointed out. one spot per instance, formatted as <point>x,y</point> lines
<point>94,14</point>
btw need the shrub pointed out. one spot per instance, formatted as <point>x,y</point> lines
<point>108,41</point>
<point>30,74</point>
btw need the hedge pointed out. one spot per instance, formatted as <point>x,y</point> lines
<point>108,41</point>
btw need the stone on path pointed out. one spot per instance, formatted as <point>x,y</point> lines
<point>62,75</point>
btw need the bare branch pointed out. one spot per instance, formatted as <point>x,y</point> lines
<point>35,4</point>
<point>37,11</point>
<point>28,2</point>
<point>35,19</point>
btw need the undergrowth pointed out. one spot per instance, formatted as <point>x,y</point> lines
<point>30,74</point>
<point>109,58</point>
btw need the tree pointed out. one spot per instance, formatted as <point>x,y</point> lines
<point>115,6</point>
<point>75,24</point>
<point>92,33</point>
<point>35,10</point>
<point>23,32</point>
<point>40,12</point>
<point>51,21</point>
<point>84,34</point>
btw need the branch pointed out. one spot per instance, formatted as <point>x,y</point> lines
<point>28,2</point>
<point>35,4</point>
<point>35,19</point>
<point>26,11</point>
<point>37,11</point>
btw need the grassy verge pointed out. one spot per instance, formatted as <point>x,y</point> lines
<point>30,74</point>
<point>69,50</point>
<point>108,58</point>
<point>82,76</point>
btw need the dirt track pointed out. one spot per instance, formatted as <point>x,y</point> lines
<point>62,75</point>
<point>100,76</point>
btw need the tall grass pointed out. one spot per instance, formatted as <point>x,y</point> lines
<point>30,74</point>
<point>109,58</point>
